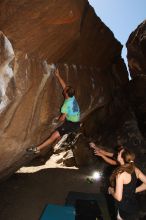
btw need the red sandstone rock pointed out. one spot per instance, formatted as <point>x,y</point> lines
<point>35,34</point>
<point>136,46</point>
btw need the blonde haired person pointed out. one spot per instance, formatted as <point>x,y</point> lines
<point>124,186</point>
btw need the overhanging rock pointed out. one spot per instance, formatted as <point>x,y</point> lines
<point>33,36</point>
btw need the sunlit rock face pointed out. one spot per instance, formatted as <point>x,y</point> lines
<point>34,36</point>
<point>136,46</point>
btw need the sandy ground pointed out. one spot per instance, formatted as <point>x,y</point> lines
<point>26,193</point>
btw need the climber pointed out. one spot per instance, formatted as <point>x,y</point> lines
<point>70,116</point>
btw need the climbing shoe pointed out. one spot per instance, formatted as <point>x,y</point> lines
<point>33,150</point>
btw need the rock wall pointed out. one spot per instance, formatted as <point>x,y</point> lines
<point>136,46</point>
<point>34,36</point>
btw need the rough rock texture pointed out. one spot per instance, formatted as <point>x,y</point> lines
<point>136,46</point>
<point>35,34</point>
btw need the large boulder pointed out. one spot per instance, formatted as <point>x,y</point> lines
<point>136,47</point>
<point>34,35</point>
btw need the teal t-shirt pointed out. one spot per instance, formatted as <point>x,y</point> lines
<point>71,108</point>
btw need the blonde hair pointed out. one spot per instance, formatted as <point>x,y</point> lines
<point>128,166</point>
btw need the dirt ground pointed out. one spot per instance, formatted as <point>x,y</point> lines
<point>25,194</point>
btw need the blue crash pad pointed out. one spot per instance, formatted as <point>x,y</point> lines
<point>58,212</point>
